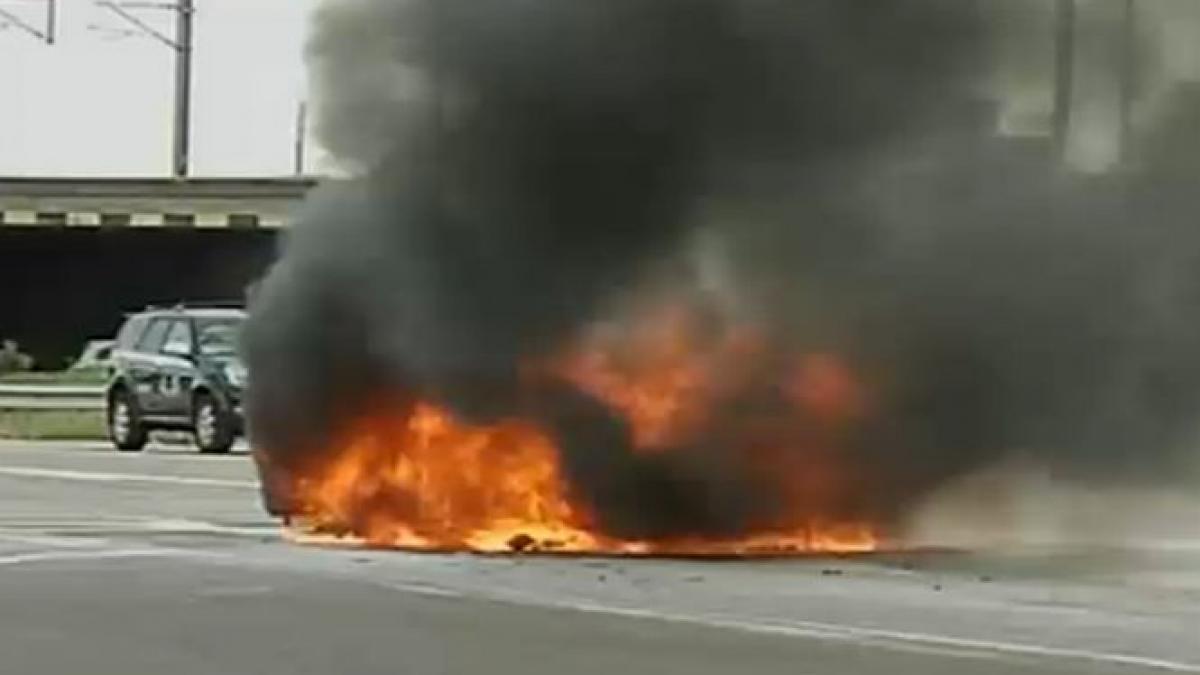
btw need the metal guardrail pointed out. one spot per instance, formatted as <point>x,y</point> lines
<point>51,397</point>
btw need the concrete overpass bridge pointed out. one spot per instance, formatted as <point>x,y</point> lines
<point>76,253</point>
<point>150,202</point>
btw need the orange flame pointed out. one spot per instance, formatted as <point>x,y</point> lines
<point>423,480</point>
<point>415,477</point>
<point>659,377</point>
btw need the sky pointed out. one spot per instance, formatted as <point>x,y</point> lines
<point>100,102</point>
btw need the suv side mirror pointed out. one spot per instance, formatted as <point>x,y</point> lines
<point>180,349</point>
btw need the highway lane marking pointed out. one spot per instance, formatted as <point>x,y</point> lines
<point>166,451</point>
<point>109,554</point>
<point>84,533</point>
<point>204,527</point>
<point>107,477</point>
<point>425,589</point>
<point>929,643</point>
<point>958,646</point>
<point>7,535</point>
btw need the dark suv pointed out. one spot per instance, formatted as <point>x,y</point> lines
<point>177,369</point>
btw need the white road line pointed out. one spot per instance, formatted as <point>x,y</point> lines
<point>957,645</point>
<point>425,589</point>
<point>157,450</point>
<point>106,477</point>
<point>205,527</point>
<point>84,533</point>
<point>111,554</point>
<point>7,535</point>
<point>941,645</point>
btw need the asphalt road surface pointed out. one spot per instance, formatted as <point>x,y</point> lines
<point>161,562</point>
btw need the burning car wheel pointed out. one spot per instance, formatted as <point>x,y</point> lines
<point>279,497</point>
<point>212,427</point>
<point>125,428</point>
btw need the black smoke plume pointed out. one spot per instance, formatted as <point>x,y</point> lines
<point>520,168</point>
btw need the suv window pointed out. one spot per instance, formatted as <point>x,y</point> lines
<point>154,337</point>
<point>131,331</point>
<point>179,338</point>
<point>219,337</point>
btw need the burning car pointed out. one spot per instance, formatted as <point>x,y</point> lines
<point>652,410</point>
<point>691,277</point>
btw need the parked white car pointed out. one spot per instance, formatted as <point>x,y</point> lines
<point>96,354</point>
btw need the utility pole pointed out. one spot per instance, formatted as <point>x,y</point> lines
<point>46,33</point>
<point>182,44</point>
<point>181,158</point>
<point>437,118</point>
<point>1128,84</point>
<point>1064,75</point>
<point>301,136</point>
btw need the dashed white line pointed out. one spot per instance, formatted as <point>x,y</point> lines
<point>169,451</point>
<point>205,527</point>
<point>7,535</point>
<point>107,477</point>
<point>941,645</point>
<point>425,589</point>
<point>110,554</point>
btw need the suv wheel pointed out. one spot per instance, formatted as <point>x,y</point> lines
<point>125,427</point>
<point>212,427</point>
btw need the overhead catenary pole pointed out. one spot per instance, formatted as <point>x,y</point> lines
<point>301,137</point>
<point>182,44</point>
<point>437,121</point>
<point>1064,75</point>
<point>1128,76</point>
<point>181,156</point>
<point>45,34</point>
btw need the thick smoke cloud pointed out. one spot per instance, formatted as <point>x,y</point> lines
<point>522,166</point>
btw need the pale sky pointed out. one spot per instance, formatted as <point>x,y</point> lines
<point>101,104</point>
<point>98,103</point>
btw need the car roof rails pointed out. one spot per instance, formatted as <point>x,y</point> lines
<point>194,304</point>
<point>212,304</point>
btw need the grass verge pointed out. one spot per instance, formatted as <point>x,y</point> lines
<point>94,376</point>
<point>52,425</point>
